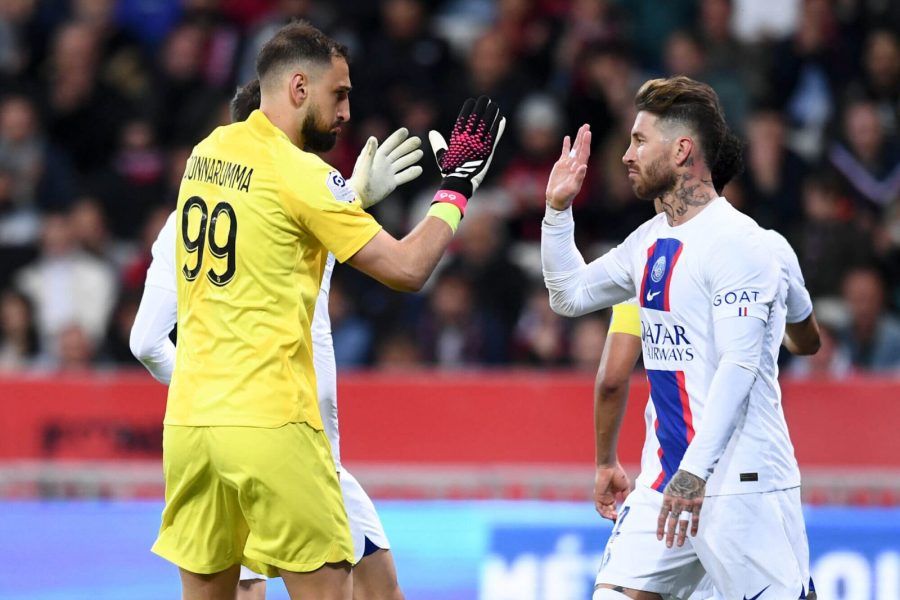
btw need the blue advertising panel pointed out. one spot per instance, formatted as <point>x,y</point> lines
<point>465,550</point>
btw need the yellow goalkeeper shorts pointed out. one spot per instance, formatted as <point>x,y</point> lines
<point>265,498</point>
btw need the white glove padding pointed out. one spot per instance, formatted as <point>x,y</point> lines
<point>378,171</point>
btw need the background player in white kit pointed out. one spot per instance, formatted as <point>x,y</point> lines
<point>713,313</point>
<point>378,171</point>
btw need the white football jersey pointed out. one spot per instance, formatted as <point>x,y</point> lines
<point>799,304</point>
<point>720,264</point>
<point>324,364</point>
<point>161,273</point>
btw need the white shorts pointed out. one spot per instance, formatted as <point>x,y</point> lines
<point>364,523</point>
<point>746,543</point>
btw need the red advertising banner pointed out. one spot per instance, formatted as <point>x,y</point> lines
<point>458,418</point>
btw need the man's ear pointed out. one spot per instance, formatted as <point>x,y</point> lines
<point>684,151</point>
<point>299,88</point>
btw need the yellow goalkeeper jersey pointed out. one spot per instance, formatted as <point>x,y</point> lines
<point>255,220</point>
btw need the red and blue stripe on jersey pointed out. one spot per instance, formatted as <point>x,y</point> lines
<point>674,425</point>
<point>661,259</point>
<point>674,421</point>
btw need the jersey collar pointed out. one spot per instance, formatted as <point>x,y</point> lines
<point>261,123</point>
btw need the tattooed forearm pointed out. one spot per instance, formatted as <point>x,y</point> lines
<point>686,485</point>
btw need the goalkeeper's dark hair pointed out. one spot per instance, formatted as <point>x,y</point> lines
<point>729,161</point>
<point>295,43</point>
<point>246,100</point>
<point>695,105</point>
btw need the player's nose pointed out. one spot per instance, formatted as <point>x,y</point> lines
<point>629,157</point>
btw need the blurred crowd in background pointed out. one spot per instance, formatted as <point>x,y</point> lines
<point>101,102</point>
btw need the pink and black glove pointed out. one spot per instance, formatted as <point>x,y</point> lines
<point>465,160</point>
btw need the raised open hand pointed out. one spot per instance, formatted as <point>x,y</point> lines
<point>569,171</point>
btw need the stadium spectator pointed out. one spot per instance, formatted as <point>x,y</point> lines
<point>828,243</point>
<point>604,82</point>
<point>683,55</point>
<point>352,335</point>
<point>538,125</point>
<point>19,226</point>
<point>75,350</point>
<point>773,174</point>
<point>498,284</point>
<point>89,230</point>
<point>832,361</point>
<point>454,331</point>
<point>282,13</point>
<point>588,339</point>
<point>397,352</point>
<point>183,100</point>
<point>806,70</point>
<point>135,270</point>
<point>402,57</point>
<point>868,161</point>
<point>651,24</point>
<point>493,72</point>
<point>120,59</point>
<point>880,80</point>
<point>589,23</point>
<point>872,335</point>
<point>42,176</point>
<point>67,286</point>
<point>19,346</point>
<point>83,115</point>
<point>541,336</point>
<point>115,349</point>
<point>135,182</point>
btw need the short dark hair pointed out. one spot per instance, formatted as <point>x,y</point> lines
<point>681,99</point>
<point>729,161</point>
<point>246,100</point>
<point>296,42</point>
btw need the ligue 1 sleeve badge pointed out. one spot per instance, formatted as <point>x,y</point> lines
<point>338,187</point>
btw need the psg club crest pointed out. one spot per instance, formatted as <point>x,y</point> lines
<point>659,269</point>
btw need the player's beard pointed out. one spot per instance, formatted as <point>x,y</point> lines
<point>316,136</point>
<point>654,181</point>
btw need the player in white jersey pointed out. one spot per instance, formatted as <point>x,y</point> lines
<point>377,173</point>
<point>712,308</point>
<point>623,349</point>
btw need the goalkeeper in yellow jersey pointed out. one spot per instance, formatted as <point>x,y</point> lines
<point>249,474</point>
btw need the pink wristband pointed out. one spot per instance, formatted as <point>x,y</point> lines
<point>451,197</point>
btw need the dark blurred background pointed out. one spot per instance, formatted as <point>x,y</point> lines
<point>102,100</point>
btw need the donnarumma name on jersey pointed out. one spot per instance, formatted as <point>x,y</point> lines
<point>219,172</point>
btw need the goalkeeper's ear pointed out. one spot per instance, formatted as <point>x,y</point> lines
<point>438,146</point>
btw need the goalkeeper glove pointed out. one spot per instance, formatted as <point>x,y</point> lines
<point>379,170</point>
<point>465,160</point>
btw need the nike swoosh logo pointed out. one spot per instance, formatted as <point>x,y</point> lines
<point>758,595</point>
<point>650,297</point>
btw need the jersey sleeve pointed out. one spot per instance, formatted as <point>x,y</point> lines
<point>742,277</point>
<point>322,203</point>
<point>626,318</point>
<point>799,303</point>
<point>161,272</point>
